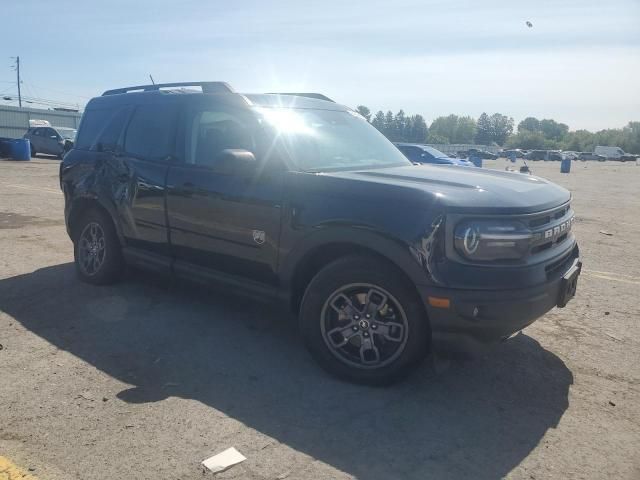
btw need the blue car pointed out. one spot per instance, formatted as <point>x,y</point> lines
<point>423,154</point>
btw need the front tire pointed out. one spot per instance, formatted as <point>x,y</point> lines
<point>363,321</point>
<point>97,251</point>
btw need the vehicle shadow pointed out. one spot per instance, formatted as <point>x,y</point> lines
<point>477,420</point>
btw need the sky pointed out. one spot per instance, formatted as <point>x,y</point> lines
<point>579,63</point>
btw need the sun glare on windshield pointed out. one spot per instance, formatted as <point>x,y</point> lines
<point>286,120</point>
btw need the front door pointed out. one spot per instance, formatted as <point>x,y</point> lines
<point>37,139</point>
<point>50,142</point>
<point>227,222</point>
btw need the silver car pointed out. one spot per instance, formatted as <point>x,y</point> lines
<point>50,140</point>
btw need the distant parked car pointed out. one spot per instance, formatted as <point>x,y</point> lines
<point>554,155</point>
<point>507,153</point>
<point>571,155</point>
<point>591,156</point>
<point>51,140</point>
<point>424,154</point>
<point>536,155</point>
<point>474,152</point>
<point>629,157</point>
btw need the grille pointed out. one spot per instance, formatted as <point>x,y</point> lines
<point>550,229</point>
<point>548,217</point>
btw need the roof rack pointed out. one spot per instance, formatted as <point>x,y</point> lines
<point>317,96</point>
<point>207,87</point>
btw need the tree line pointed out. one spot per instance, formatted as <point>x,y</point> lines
<point>498,129</point>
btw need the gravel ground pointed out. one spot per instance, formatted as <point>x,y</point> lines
<point>147,378</point>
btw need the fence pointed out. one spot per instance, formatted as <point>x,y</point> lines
<point>14,121</point>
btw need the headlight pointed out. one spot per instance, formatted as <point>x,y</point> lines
<point>487,240</point>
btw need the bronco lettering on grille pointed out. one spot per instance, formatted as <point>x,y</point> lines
<point>560,229</point>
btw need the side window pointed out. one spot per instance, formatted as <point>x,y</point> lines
<point>210,131</point>
<point>108,138</point>
<point>426,156</point>
<point>151,132</point>
<point>411,153</point>
<point>100,129</point>
<point>416,154</point>
<point>405,151</point>
<point>92,123</point>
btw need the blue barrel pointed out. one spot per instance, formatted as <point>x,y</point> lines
<point>477,161</point>
<point>21,149</point>
<point>565,165</point>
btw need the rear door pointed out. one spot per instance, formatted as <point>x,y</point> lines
<point>224,221</point>
<point>139,171</point>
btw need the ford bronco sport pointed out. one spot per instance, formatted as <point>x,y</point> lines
<point>298,198</point>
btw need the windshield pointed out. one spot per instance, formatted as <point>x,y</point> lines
<point>434,152</point>
<point>67,133</point>
<point>323,140</point>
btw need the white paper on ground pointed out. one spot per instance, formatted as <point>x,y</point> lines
<point>224,460</point>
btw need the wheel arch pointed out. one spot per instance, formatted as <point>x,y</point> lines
<point>303,265</point>
<point>83,204</point>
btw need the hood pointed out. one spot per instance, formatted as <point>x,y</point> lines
<point>465,189</point>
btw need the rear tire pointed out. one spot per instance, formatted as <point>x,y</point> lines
<point>33,152</point>
<point>363,321</point>
<point>96,248</point>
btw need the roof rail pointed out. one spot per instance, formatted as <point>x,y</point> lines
<point>207,87</point>
<point>317,96</point>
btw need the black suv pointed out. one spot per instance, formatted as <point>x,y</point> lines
<point>300,199</point>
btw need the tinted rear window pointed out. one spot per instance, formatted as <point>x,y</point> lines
<point>151,132</point>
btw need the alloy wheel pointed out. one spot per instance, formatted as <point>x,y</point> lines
<point>91,249</point>
<point>364,326</point>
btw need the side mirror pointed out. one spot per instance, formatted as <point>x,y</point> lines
<point>235,161</point>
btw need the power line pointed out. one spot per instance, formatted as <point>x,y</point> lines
<point>58,91</point>
<point>34,98</point>
<point>44,101</point>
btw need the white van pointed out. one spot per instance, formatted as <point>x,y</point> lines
<point>613,153</point>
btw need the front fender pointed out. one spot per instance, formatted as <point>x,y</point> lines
<point>414,258</point>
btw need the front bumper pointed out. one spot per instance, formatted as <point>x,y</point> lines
<point>477,319</point>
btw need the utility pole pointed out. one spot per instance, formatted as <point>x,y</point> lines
<point>18,73</point>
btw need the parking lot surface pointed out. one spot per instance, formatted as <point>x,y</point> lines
<point>147,378</point>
